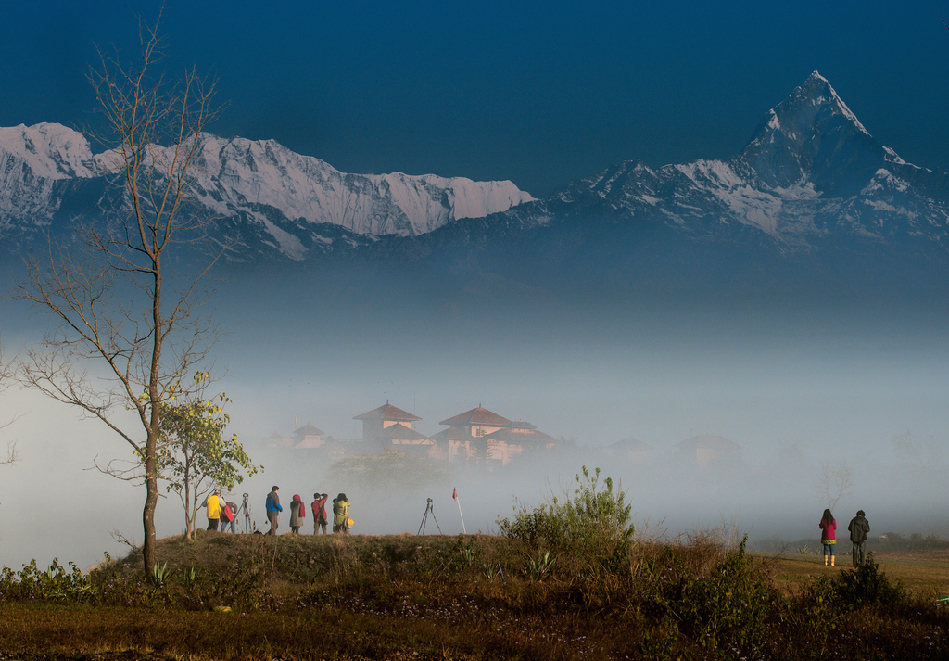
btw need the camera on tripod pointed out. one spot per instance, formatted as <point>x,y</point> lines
<point>429,508</point>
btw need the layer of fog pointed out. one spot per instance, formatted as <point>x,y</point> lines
<point>795,392</point>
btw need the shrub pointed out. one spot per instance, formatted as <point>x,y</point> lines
<point>591,527</point>
<point>730,606</point>
<point>868,585</point>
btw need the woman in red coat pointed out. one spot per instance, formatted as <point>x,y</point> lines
<point>828,536</point>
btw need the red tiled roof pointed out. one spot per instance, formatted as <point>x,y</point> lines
<point>520,434</point>
<point>452,434</point>
<point>403,433</point>
<point>477,416</point>
<point>387,412</point>
<point>308,430</point>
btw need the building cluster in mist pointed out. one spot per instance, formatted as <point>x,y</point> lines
<point>480,437</point>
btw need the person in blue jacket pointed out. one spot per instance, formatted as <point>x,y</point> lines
<point>273,509</point>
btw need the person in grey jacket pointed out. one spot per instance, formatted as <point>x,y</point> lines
<point>858,535</point>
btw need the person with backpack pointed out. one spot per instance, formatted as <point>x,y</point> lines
<point>341,514</point>
<point>858,535</point>
<point>297,513</point>
<point>318,507</point>
<point>273,509</point>
<point>214,503</point>
<point>228,516</point>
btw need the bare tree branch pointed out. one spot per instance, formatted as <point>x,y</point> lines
<point>128,324</point>
<point>12,455</point>
<point>835,481</point>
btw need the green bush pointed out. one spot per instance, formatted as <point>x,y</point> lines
<point>868,585</point>
<point>729,607</point>
<point>591,527</point>
<point>57,583</point>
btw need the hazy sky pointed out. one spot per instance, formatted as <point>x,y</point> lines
<point>538,93</point>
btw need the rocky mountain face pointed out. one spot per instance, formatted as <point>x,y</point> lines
<point>810,172</point>
<point>812,202</point>
<point>267,193</point>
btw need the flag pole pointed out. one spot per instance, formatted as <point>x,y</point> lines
<point>454,495</point>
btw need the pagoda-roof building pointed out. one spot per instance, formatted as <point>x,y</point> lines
<point>307,430</point>
<point>476,417</point>
<point>376,423</point>
<point>521,432</point>
<point>401,435</point>
<point>308,437</point>
<point>387,412</point>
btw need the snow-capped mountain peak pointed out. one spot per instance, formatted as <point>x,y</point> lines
<point>272,189</point>
<point>50,151</point>
<point>263,180</point>
<point>809,136</point>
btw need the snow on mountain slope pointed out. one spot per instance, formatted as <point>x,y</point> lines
<point>240,175</point>
<point>262,182</point>
<point>33,161</point>
<point>810,166</point>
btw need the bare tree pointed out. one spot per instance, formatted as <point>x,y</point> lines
<point>835,481</point>
<point>12,456</point>
<point>123,308</point>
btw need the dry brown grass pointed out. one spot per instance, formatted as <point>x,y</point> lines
<point>468,598</point>
<point>922,573</point>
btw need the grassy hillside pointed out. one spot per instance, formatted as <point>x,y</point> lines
<point>226,596</point>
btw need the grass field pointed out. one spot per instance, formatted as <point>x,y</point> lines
<point>925,573</point>
<point>474,597</point>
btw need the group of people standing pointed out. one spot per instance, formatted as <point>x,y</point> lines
<point>859,527</point>
<point>221,514</point>
<point>341,520</point>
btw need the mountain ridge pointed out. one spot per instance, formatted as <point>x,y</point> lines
<point>260,181</point>
<point>812,198</point>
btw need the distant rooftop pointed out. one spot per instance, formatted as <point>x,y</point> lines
<point>387,412</point>
<point>476,416</point>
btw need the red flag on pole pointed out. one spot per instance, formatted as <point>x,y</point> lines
<point>454,497</point>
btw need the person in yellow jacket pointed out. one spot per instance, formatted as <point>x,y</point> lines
<point>214,503</point>
<point>341,514</point>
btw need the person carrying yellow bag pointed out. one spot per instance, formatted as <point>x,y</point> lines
<point>341,520</point>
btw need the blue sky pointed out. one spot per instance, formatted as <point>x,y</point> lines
<point>538,93</point>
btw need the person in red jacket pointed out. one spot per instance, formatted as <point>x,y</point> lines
<point>828,536</point>
<point>318,507</point>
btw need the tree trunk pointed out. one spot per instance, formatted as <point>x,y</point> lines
<point>151,503</point>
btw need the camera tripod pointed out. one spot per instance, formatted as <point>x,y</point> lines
<point>245,508</point>
<point>428,508</point>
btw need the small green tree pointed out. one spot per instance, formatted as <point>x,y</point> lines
<point>195,456</point>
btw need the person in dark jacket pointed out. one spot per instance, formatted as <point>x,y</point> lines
<point>858,535</point>
<point>318,507</point>
<point>828,536</point>
<point>273,509</point>
<point>297,513</point>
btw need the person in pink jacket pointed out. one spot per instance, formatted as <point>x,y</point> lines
<point>828,536</point>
